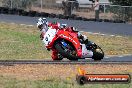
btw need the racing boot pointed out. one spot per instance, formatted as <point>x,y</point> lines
<point>56,55</point>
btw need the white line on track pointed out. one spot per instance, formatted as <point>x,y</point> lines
<point>93,33</point>
<point>120,56</point>
<point>22,24</point>
<point>30,25</point>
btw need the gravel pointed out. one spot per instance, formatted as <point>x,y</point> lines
<point>43,71</point>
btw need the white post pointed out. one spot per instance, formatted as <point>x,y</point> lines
<point>41,5</point>
<point>11,3</point>
<point>104,8</point>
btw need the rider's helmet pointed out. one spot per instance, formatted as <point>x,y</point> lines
<point>41,22</point>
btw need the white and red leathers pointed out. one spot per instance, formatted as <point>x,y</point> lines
<point>43,28</point>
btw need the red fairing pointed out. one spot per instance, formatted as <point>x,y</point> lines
<point>69,36</point>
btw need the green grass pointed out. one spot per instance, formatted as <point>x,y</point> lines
<point>23,42</point>
<point>11,82</point>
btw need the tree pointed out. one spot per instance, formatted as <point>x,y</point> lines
<point>18,3</point>
<point>122,2</point>
<point>122,12</point>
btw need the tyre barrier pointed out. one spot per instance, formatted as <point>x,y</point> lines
<point>118,21</point>
<point>20,11</point>
<point>25,13</point>
<point>65,17</point>
<point>15,11</point>
<point>52,15</point>
<point>72,17</point>
<point>4,10</point>
<point>43,14</point>
<point>106,20</point>
<point>78,18</point>
<point>38,14</point>
<point>32,13</point>
<point>1,8</point>
<point>60,16</point>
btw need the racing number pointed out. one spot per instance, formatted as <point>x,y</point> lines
<point>49,35</point>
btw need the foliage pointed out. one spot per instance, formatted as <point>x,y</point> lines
<point>18,3</point>
<point>124,13</point>
<point>122,2</point>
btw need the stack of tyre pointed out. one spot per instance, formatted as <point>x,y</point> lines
<point>15,11</point>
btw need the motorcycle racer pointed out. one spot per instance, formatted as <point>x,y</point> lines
<point>44,26</point>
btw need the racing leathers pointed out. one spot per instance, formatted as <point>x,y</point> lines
<point>43,30</point>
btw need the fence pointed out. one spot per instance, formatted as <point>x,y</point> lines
<point>110,12</point>
<point>119,12</point>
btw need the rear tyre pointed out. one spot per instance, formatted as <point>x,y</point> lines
<point>98,54</point>
<point>62,51</point>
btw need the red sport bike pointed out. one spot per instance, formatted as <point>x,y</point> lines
<point>69,46</point>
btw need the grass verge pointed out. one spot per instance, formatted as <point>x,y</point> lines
<point>10,82</point>
<point>22,42</point>
<point>57,76</point>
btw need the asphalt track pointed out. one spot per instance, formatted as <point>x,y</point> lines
<point>89,26</point>
<point>98,27</point>
<point>13,62</point>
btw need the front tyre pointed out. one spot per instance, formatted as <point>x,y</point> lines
<point>63,51</point>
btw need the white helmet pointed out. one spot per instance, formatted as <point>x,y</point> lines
<point>41,22</point>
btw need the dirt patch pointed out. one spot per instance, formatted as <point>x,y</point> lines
<point>42,72</point>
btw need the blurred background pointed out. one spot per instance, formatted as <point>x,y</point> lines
<point>109,9</point>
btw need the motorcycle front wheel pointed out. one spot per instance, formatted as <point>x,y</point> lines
<point>68,54</point>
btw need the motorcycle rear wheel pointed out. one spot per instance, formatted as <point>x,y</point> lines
<point>98,54</point>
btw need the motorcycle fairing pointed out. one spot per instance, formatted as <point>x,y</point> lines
<point>52,35</point>
<point>71,37</point>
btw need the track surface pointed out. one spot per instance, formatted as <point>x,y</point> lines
<point>101,27</point>
<point>13,62</point>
